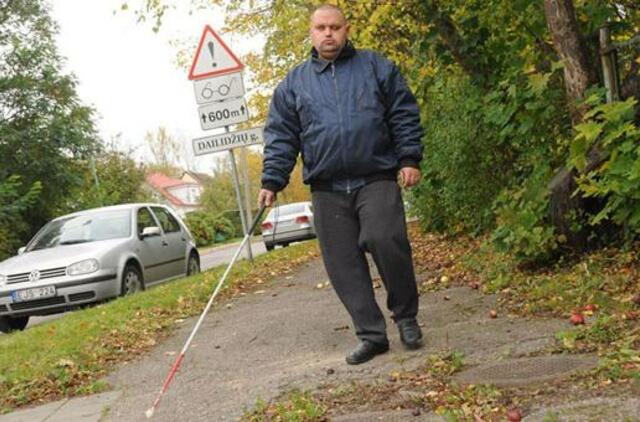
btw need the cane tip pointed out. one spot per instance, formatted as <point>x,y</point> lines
<point>149,413</point>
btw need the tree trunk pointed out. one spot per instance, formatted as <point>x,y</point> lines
<point>579,74</point>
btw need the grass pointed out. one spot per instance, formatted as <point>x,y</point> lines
<point>294,406</point>
<point>205,249</point>
<point>70,355</point>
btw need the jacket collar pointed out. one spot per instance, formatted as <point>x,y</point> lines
<point>319,65</point>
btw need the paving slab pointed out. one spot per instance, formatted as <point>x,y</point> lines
<point>592,410</point>
<point>527,371</point>
<point>79,409</point>
<point>388,416</point>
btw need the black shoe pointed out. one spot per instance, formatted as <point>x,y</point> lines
<point>410,333</point>
<point>366,351</point>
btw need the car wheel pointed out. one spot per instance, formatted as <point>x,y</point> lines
<point>284,245</point>
<point>9,324</point>
<point>131,280</point>
<point>193,265</point>
<point>269,246</point>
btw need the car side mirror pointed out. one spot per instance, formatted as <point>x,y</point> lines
<point>21,250</point>
<point>150,231</point>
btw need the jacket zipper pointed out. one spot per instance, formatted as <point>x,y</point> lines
<point>344,149</point>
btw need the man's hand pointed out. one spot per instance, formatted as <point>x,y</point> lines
<point>266,197</point>
<point>409,176</point>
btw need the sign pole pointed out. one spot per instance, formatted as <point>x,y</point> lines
<point>244,160</point>
<point>236,184</point>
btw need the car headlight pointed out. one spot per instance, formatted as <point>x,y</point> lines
<point>3,279</point>
<point>83,267</point>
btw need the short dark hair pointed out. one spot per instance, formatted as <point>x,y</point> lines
<point>329,6</point>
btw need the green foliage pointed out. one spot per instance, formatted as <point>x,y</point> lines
<point>207,228</point>
<point>14,201</point>
<point>617,178</point>
<point>522,225</point>
<point>44,129</point>
<point>462,172</point>
<point>110,178</point>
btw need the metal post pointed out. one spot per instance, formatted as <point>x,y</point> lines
<point>236,184</point>
<point>609,68</point>
<point>245,181</point>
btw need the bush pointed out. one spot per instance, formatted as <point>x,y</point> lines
<point>616,179</point>
<point>522,227</point>
<point>463,167</point>
<point>234,217</point>
<point>208,229</point>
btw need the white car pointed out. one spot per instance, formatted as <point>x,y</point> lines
<point>93,255</point>
<point>288,223</point>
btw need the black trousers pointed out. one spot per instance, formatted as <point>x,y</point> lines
<point>370,219</point>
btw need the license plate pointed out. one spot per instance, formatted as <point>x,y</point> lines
<point>34,293</point>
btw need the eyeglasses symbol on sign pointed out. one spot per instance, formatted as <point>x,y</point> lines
<point>222,90</point>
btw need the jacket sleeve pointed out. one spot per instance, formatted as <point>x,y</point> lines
<point>281,139</point>
<point>402,113</point>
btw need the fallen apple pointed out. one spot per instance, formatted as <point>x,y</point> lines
<point>493,313</point>
<point>577,319</point>
<point>592,307</point>
<point>514,415</point>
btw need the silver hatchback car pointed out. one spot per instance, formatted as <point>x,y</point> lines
<point>93,255</point>
<point>288,223</point>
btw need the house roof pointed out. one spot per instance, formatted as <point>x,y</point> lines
<point>201,178</point>
<point>161,183</point>
<point>159,180</point>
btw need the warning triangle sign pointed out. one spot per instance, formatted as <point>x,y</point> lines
<point>213,57</point>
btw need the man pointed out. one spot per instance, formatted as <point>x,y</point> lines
<point>352,117</point>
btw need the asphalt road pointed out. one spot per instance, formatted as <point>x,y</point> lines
<point>208,259</point>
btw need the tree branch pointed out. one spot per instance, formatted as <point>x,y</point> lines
<point>451,39</point>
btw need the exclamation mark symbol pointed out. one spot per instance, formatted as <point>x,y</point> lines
<point>213,57</point>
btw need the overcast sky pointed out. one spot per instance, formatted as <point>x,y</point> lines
<point>129,74</point>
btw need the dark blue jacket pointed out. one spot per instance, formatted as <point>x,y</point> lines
<point>354,120</point>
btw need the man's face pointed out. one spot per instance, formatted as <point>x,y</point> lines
<point>329,31</point>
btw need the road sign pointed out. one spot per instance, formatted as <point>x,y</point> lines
<point>223,114</point>
<point>219,88</point>
<point>229,140</point>
<point>213,57</point>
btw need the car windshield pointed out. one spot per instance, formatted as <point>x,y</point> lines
<point>285,210</point>
<point>83,228</point>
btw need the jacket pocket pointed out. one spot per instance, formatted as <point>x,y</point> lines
<point>368,98</point>
<point>304,108</point>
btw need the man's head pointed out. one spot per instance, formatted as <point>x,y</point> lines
<point>329,31</point>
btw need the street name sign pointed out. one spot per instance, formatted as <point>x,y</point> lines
<point>224,113</point>
<point>219,88</point>
<point>213,57</point>
<point>229,140</point>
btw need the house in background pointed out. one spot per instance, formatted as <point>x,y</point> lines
<point>183,195</point>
